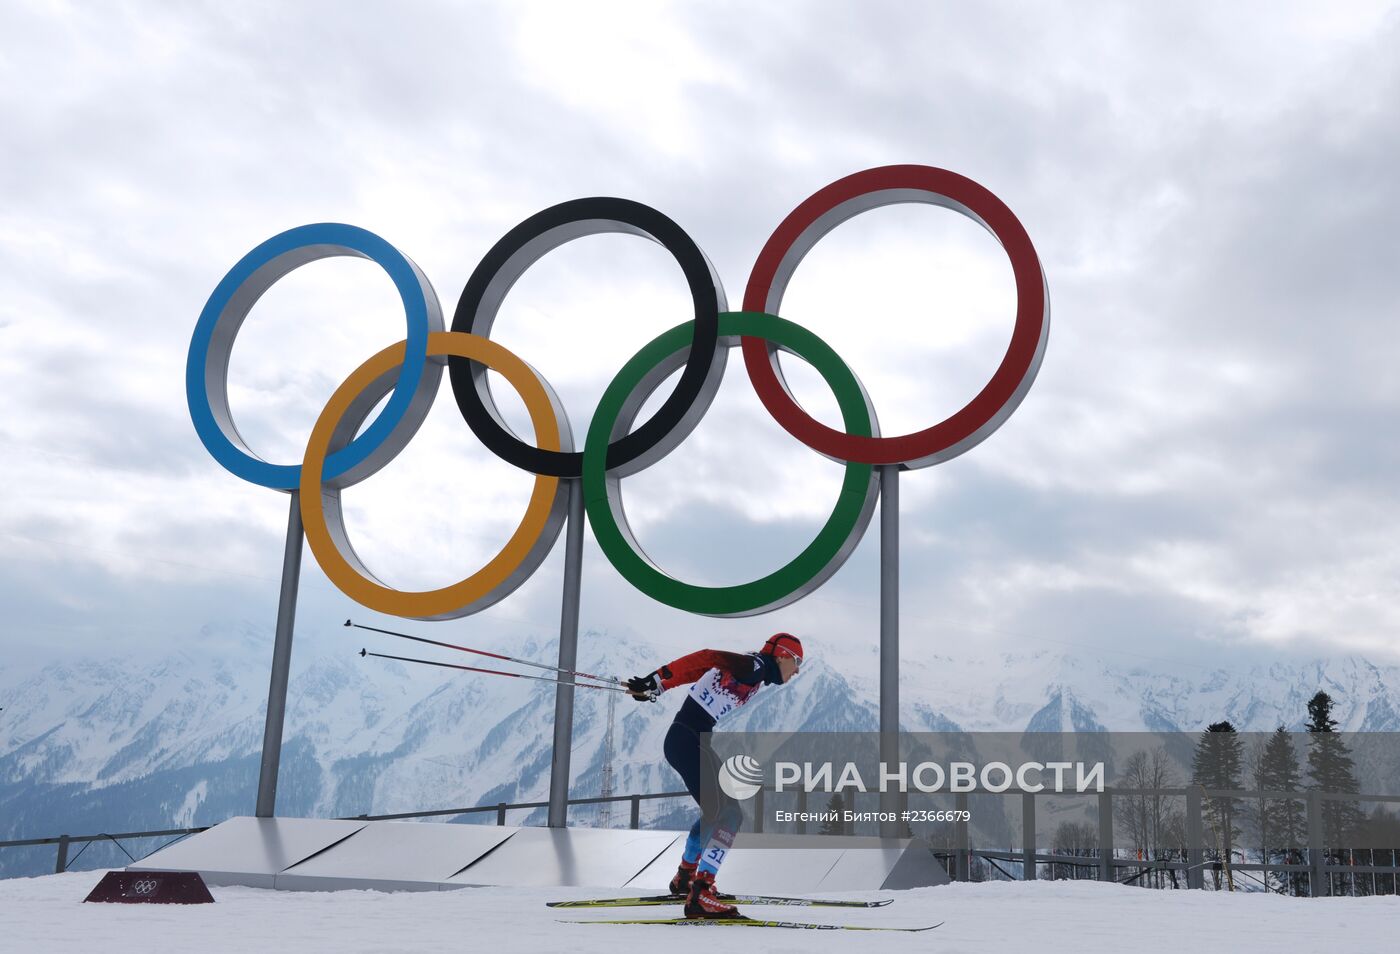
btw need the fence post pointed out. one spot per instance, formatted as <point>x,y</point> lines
<point>1106,837</point>
<point>1319,880</point>
<point>1195,839</point>
<point>961,843</point>
<point>501,813</point>
<point>62,865</point>
<point>636,821</point>
<point>758,812</point>
<point>1027,836</point>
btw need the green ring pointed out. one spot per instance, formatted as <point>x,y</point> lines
<point>809,569</point>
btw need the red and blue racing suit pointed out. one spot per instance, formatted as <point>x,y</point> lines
<point>720,683</point>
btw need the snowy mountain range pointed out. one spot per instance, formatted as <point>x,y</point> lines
<point>128,744</point>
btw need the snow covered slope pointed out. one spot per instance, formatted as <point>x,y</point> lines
<point>42,915</point>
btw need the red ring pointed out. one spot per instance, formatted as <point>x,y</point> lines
<point>992,405</point>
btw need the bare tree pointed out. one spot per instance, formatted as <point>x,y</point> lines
<point>1076,839</point>
<point>1144,817</point>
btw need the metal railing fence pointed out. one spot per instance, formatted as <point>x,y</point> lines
<point>1320,865</point>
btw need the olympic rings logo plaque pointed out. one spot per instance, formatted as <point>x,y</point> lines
<point>339,454</point>
<point>151,887</point>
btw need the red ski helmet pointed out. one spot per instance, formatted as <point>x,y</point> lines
<point>783,644</point>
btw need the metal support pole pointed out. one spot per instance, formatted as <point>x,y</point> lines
<point>1319,881</point>
<point>635,821</point>
<point>1027,836</point>
<point>802,811</point>
<point>1195,839</point>
<point>568,659</point>
<point>758,812</point>
<point>962,844</point>
<point>281,662</point>
<point>500,813</point>
<point>889,638</point>
<point>62,865</point>
<point>1106,837</point>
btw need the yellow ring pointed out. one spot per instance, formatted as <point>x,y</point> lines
<point>486,585</point>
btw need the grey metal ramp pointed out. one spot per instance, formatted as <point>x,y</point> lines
<point>795,864</point>
<point>916,868</point>
<point>395,856</point>
<point>863,868</point>
<point>249,851</point>
<point>322,854</point>
<point>569,857</point>
<point>892,864</point>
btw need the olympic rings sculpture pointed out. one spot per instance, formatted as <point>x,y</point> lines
<point>339,454</point>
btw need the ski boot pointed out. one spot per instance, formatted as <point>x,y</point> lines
<point>702,902</point>
<point>680,884</point>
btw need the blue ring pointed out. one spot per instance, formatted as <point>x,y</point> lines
<point>342,240</point>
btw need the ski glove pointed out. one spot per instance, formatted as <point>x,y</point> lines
<point>644,688</point>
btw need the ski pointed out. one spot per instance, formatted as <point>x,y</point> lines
<point>755,922</point>
<point>660,899</point>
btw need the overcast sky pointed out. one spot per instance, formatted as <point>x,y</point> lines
<point>1206,464</point>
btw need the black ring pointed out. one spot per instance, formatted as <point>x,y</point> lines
<point>521,247</point>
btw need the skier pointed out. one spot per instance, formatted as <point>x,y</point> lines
<point>722,682</point>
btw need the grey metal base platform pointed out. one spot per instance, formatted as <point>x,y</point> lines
<point>311,854</point>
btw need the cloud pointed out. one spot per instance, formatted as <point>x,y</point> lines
<point>1203,458</point>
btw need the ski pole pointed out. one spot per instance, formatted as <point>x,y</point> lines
<point>482,652</point>
<point>492,672</point>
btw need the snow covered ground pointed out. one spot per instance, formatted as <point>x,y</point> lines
<point>45,914</point>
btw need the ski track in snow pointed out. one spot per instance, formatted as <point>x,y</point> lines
<point>45,914</point>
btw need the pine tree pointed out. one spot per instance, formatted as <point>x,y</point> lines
<point>1331,769</point>
<point>834,825</point>
<point>1282,821</point>
<point>1217,763</point>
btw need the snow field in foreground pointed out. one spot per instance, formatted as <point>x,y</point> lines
<point>45,914</point>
